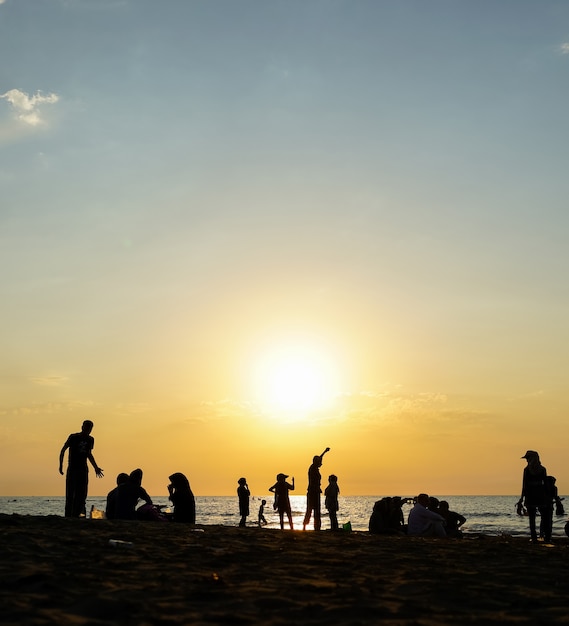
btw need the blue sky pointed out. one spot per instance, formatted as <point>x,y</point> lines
<point>188,183</point>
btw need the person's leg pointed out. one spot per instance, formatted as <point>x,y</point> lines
<point>317,518</point>
<point>307,515</point>
<point>531,516</point>
<point>333,520</point>
<point>546,522</point>
<point>80,493</point>
<point>289,515</point>
<point>69,493</point>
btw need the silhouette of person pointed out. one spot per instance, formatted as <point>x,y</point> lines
<point>387,517</point>
<point>282,500</point>
<point>535,496</point>
<point>261,519</point>
<point>331,494</point>
<point>110,511</point>
<point>243,494</point>
<point>424,523</point>
<point>433,504</point>
<point>554,492</point>
<point>182,497</point>
<point>80,447</point>
<point>313,492</point>
<point>453,520</point>
<point>128,494</point>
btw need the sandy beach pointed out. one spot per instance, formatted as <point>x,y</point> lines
<point>65,571</point>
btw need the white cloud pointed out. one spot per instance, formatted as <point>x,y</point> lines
<point>27,108</point>
<point>564,47</point>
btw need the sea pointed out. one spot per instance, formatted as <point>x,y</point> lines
<point>487,515</point>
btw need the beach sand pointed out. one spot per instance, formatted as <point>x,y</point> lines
<point>64,571</point>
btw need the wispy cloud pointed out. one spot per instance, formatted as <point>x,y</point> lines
<point>414,411</point>
<point>227,408</point>
<point>564,48</point>
<point>132,408</point>
<point>50,381</point>
<point>49,408</point>
<point>28,109</point>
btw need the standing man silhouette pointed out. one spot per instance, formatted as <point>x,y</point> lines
<point>313,492</point>
<point>77,478</point>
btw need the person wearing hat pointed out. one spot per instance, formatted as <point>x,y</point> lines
<point>535,496</point>
<point>282,500</point>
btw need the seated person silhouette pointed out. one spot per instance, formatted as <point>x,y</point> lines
<point>128,495</point>
<point>182,498</point>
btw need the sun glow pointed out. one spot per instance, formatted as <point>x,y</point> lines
<point>294,381</point>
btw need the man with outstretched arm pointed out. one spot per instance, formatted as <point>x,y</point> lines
<point>313,492</point>
<point>80,447</point>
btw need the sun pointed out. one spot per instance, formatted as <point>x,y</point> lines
<point>294,381</point>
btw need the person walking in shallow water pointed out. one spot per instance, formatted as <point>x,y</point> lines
<point>535,496</point>
<point>261,517</point>
<point>80,446</point>
<point>313,492</point>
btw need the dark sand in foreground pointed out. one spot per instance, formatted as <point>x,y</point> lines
<point>63,571</point>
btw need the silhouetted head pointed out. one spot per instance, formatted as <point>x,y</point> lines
<point>87,427</point>
<point>122,478</point>
<point>282,476</point>
<point>433,503</point>
<point>423,499</point>
<point>443,506</point>
<point>317,460</point>
<point>179,481</point>
<point>135,477</point>
<point>263,502</point>
<point>530,455</point>
<point>333,478</point>
<point>242,481</point>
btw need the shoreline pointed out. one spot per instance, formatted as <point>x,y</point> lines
<point>56,570</point>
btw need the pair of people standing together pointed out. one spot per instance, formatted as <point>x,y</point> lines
<point>313,499</point>
<point>313,496</point>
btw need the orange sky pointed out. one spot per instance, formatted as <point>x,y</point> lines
<point>233,234</point>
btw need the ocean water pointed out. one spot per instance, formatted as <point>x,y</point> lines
<point>489,515</point>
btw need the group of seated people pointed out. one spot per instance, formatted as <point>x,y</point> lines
<point>123,500</point>
<point>427,518</point>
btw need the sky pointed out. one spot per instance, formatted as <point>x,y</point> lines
<point>236,232</point>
